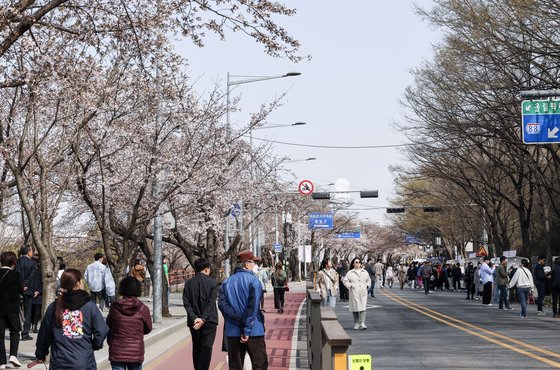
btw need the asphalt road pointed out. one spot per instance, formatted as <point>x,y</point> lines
<point>410,330</point>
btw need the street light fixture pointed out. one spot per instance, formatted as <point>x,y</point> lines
<point>246,80</point>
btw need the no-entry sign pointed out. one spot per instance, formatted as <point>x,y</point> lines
<point>305,187</point>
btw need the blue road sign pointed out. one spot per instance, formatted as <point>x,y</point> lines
<point>349,235</point>
<point>411,239</point>
<point>235,210</point>
<point>541,121</point>
<point>277,247</point>
<point>320,220</point>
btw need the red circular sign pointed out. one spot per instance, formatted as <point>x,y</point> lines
<point>305,187</point>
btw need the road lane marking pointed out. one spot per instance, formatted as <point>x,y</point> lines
<point>416,307</point>
<point>513,340</point>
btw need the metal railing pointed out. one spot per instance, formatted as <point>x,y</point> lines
<point>177,278</point>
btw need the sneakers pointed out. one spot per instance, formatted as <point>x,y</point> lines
<point>14,361</point>
<point>509,308</point>
<point>362,326</point>
<point>489,304</point>
<point>3,366</point>
<point>26,337</point>
<point>357,326</point>
<point>540,313</point>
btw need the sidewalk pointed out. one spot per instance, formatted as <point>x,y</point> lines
<point>169,342</point>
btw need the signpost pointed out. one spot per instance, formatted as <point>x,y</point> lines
<point>305,187</point>
<point>277,247</point>
<point>541,121</point>
<point>320,220</point>
<point>235,210</point>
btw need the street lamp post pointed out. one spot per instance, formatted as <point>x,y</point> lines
<point>240,80</point>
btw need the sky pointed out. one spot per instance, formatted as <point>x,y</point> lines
<point>348,94</point>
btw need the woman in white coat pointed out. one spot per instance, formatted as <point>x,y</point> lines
<point>358,282</point>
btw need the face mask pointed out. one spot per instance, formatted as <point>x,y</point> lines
<point>255,268</point>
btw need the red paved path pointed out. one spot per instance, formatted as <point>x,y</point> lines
<point>279,331</point>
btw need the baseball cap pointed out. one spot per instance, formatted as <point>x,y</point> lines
<point>247,255</point>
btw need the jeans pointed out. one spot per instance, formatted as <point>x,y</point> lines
<point>540,298</point>
<point>503,296</point>
<point>495,293</point>
<point>329,301</point>
<point>523,294</point>
<point>371,288</point>
<point>126,365</point>
<point>426,282</point>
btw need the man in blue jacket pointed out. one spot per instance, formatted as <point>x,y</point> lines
<point>240,297</point>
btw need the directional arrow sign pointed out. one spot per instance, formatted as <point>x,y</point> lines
<point>541,121</point>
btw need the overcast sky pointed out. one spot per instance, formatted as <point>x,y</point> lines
<point>348,93</point>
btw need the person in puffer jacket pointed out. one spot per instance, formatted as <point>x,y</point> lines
<point>129,320</point>
<point>72,328</point>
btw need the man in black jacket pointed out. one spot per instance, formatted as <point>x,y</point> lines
<point>199,299</point>
<point>26,268</point>
<point>470,280</point>
<point>540,283</point>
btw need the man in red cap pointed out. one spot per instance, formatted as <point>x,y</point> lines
<point>240,297</point>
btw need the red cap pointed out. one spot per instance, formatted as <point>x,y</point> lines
<point>247,255</point>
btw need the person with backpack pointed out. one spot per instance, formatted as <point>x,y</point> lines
<point>279,281</point>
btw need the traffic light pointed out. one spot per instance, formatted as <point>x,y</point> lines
<point>395,210</point>
<point>432,209</point>
<point>321,195</point>
<point>368,194</point>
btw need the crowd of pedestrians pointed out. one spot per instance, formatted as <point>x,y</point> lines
<point>493,283</point>
<point>73,326</point>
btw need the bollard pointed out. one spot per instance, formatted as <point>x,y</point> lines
<point>335,343</point>
<point>314,333</point>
